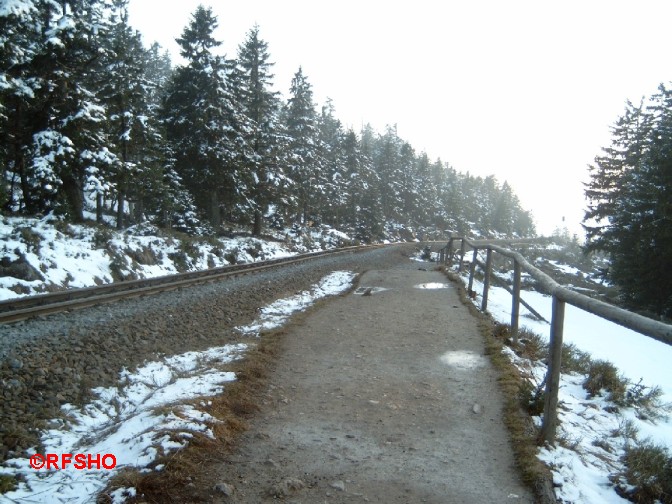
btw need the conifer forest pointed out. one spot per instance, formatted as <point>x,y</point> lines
<point>96,124</point>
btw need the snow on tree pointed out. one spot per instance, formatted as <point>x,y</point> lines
<point>204,122</point>
<point>304,160</point>
<point>262,106</point>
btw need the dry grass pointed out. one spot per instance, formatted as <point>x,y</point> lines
<point>241,399</point>
<point>183,471</point>
<point>648,474</point>
<point>522,431</point>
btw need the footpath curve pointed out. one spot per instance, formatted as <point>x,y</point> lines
<point>381,395</point>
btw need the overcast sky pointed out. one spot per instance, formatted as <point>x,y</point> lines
<point>524,90</point>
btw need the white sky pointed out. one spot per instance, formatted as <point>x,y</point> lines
<point>524,90</point>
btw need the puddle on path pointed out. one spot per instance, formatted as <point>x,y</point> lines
<point>463,359</point>
<point>431,286</point>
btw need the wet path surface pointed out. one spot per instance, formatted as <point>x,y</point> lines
<point>382,395</point>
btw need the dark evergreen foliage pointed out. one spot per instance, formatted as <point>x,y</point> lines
<point>267,139</point>
<point>92,119</point>
<point>629,213</point>
<point>205,124</point>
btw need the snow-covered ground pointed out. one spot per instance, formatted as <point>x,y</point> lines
<point>51,254</point>
<point>133,423</point>
<point>149,413</point>
<point>581,466</point>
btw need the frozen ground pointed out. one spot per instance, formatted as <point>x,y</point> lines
<point>148,413</point>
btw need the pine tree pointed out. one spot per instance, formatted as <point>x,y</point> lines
<point>609,176</point>
<point>133,132</point>
<point>205,124</point>
<point>388,164</point>
<point>57,134</point>
<point>19,44</point>
<point>158,71</point>
<point>363,214</point>
<point>332,188</point>
<point>630,210</point>
<point>262,106</point>
<point>303,157</point>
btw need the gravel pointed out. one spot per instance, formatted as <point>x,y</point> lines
<point>50,361</point>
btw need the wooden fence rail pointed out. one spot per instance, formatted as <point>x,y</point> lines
<point>561,296</point>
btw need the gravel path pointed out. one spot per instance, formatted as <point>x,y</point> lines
<point>50,361</point>
<point>380,396</point>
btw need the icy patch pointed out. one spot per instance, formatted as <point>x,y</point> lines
<point>277,313</point>
<point>431,286</point>
<point>463,359</point>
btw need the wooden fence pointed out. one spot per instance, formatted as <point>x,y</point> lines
<point>561,295</point>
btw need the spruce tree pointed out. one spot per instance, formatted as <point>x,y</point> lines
<point>332,188</point>
<point>630,211</point>
<point>204,122</point>
<point>57,137</point>
<point>133,132</point>
<point>303,156</point>
<point>363,214</point>
<point>19,44</point>
<point>262,106</point>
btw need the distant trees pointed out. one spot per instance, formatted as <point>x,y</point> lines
<point>629,195</point>
<point>93,121</point>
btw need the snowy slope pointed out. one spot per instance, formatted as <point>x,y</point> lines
<point>42,255</point>
<point>594,433</point>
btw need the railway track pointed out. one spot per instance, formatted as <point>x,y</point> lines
<point>17,309</point>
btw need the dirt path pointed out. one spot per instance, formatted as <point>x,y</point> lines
<point>382,397</point>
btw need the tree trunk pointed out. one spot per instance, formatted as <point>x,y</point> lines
<point>256,228</point>
<point>215,216</point>
<point>120,209</point>
<point>75,197</point>
<point>99,208</point>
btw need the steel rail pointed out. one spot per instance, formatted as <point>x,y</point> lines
<point>13,310</point>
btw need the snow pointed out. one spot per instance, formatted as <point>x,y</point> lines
<point>149,413</point>
<point>581,468</point>
<point>277,313</point>
<point>127,422</point>
<point>72,256</point>
<point>16,8</point>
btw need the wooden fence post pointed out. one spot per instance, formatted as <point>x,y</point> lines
<point>472,271</point>
<point>515,301</point>
<point>450,250</point>
<point>463,248</point>
<point>550,422</point>
<point>486,280</point>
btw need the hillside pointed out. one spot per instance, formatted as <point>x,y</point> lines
<point>49,254</point>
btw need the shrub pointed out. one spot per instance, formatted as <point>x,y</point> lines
<point>532,398</point>
<point>646,400</point>
<point>575,360</point>
<point>603,376</point>
<point>31,238</point>
<point>648,471</point>
<point>7,483</point>
<point>531,346</point>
